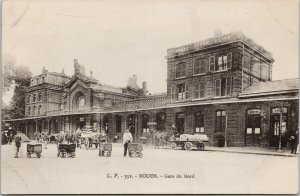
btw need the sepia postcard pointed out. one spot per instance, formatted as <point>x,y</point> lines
<point>150,97</point>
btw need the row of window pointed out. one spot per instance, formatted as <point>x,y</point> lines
<point>38,80</point>
<point>34,98</point>
<point>35,110</point>
<point>253,123</point>
<point>222,87</point>
<point>202,65</point>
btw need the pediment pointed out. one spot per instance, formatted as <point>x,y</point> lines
<point>81,80</point>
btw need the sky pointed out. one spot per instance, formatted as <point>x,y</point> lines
<point>118,38</point>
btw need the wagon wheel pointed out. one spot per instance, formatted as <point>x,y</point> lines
<point>200,146</point>
<point>63,155</point>
<point>173,145</point>
<point>73,155</point>
<point>141,155</point>
<point>87,143</point>
<point>38,155</point>
<point>131,153</point>
<point>58,154</point>
<point>188,146</point>
<point>109,154</point>
<point>28,155</point>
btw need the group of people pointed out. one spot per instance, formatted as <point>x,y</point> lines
<point>127,138</point>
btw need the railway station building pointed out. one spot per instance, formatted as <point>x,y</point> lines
<point>219,85</point>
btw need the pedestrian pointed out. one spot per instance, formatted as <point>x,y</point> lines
<point>37,136</point>
<point>297,141</point>
<point>17,139</point>
<point>102,138</point>
<point>61,137</point>
<point>4,138</point>
<point>46,139</point>
<point>127,138</point>
<point>294,142</point>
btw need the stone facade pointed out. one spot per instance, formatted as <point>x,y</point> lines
<point>219,85</point>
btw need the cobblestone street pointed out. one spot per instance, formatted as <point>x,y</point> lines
<point>157,172</point>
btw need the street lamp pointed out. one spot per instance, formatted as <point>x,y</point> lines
<point>225,143</point>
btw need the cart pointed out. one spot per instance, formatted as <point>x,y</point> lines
<point>65,150</point>
<point>105,149</point>
<point>34,149</point>
<point>188,142</point>
<point>135,150</point>
<point>88,138</point>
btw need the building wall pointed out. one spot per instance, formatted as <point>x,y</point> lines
<point>256,68</point>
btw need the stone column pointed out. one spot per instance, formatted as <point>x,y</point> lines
<point>48,125</point>
<point>26,129</point>
<point>98,119</point>
<point>36,125</point>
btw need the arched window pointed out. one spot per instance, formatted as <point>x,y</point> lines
<point>81,102</point>
<point>40,96</point>
<point>40,109</point>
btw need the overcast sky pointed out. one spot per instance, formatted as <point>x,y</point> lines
<point>116,39</point>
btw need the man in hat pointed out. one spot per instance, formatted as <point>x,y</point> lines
<point>294,143</point>
<point>127,138</point>
<point>17,139</point>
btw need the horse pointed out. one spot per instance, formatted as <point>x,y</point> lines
<point>162,138</point>
<point>70,137</point>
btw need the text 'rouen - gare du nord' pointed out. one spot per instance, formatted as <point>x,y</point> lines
<point>219,86</point>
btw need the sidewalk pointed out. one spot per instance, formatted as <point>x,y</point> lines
<point>243,150</point>
<point>251,150</point>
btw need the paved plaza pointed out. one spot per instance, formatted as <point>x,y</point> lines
<point>159,171</point>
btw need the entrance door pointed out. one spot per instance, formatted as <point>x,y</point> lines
<point>80,123</point>
<point>221,121</point>
<point>131,124</point>
<point>253,127</point>
<point>180,123</point>
<point>274,130</point>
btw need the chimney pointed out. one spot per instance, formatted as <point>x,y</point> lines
<point>44,70</point>
<point>144,84</point>
<point>75,61</point>
<point>218,33</point>
<point>76,67</point>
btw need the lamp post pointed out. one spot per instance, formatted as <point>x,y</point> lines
<point>225,143</point>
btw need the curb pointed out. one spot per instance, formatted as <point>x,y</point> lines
<point>256,153</point>
<point>228,151</point>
